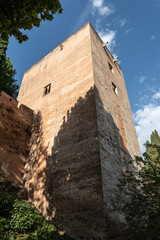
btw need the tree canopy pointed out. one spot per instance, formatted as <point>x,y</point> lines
<point>7,82</point>
<point>16,15</point>
<point>141,188</point>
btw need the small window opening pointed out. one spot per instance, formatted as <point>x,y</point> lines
<point>47,89</point>
<point>110,67</point>
<point>114,88</point>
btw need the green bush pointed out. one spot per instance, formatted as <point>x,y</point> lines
<point>46,232</point>
<point>20,221</point>
<point>4,228</point>
<point>24,218</point>
<point>6,204</point>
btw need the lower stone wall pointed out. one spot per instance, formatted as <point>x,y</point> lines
<point>113,165</point>
<point>15,125</point>
<point>66,185</point>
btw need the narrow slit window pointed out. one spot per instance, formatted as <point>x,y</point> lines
<point>47,89</point>
<point>110,67</point>
<point>114,88</point>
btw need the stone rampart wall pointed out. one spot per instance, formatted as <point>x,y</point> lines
<point>15,125</point>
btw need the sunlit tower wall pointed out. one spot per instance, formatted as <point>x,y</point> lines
<point>83,135</point>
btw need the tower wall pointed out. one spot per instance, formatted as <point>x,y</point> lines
<point>71,76</point>
<point>63,172</point>
<point>82,137</point>
<point>117,136</point>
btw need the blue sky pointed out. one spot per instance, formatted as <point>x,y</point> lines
<point>133,31</point>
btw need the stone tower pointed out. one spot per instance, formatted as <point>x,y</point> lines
<point>83,134</point>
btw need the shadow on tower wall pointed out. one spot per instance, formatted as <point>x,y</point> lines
<point>68,185</point>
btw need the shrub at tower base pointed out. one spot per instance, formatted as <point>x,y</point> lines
<point>19,221</point>
<point>142,190</point>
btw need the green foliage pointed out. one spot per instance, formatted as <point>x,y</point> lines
<point>7,72</point>
<point>19,221</point>
<point>3,222</point>
<point>46,232</point>
<point>6,204</point>
<point>152,153</point>
<point>16,15</point>
<point>142,190</point>
<point>24,218</point>
<point>7,82</point>
<point>3,48</point>
<point>5,234</point>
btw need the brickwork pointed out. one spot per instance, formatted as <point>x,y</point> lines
<point>83,134</point>
<point>15,125</point>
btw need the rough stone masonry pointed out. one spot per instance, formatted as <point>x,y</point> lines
<point>83,135</point>
<point>15,129</point>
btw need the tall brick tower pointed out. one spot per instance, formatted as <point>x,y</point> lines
<point>83,134</point>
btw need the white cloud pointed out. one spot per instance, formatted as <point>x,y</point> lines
<point>147,119</point>
<point>103,10</point>
<point>108,36</point>
<point>122,22</point>
<point>141,79</point>
<point>152,89</point>
<point>97,3</point>
<point>128,30</point>
<point>156,95</point>
<point>144,98</point>
<point>153,38</point>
